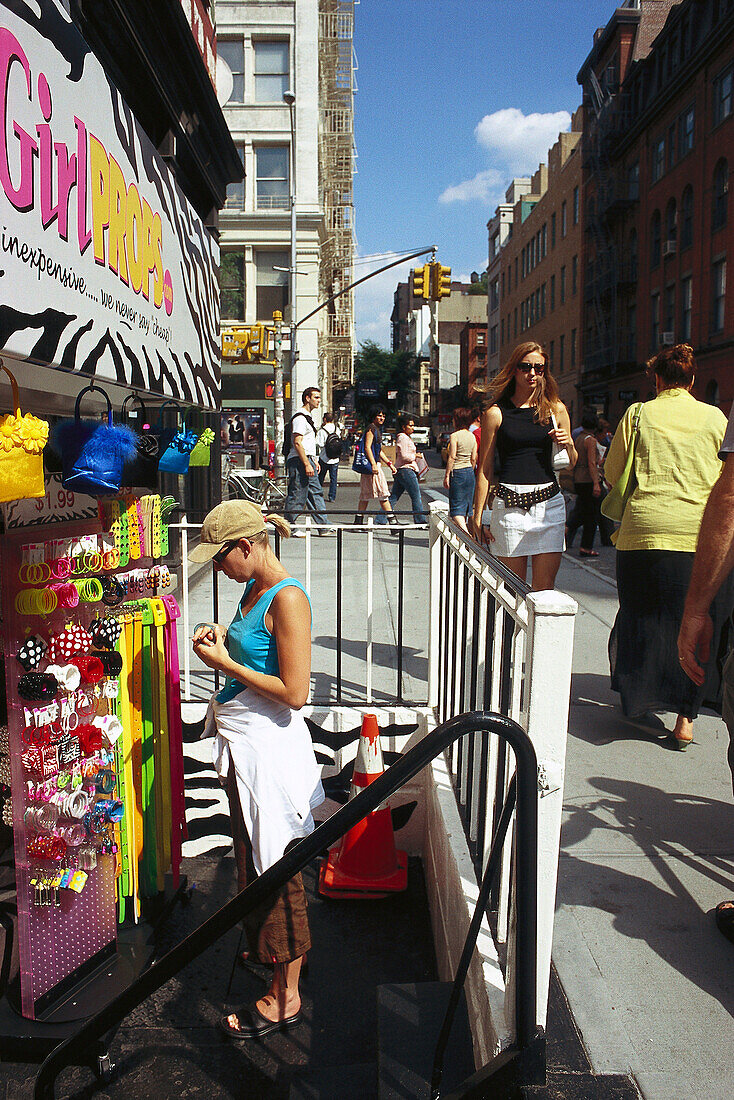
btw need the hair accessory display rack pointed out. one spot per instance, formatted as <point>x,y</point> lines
<point>96,771</point>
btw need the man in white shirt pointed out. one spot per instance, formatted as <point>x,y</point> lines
<point>304,487</point>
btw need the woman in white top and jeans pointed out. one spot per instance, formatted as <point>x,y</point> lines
<point>406,470</point>
<point>460,464</point>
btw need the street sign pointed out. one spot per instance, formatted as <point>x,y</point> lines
<point>368,388</point>
<point>392,395</point>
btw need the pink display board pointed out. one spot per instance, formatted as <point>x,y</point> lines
<point>58,944</point>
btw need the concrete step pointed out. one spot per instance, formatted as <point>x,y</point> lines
<point>358,1082</point>
<point>409,1018</point>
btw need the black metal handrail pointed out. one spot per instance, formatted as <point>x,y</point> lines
<point>74,1050</point>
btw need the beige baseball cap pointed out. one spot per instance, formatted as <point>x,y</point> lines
<point>233,519</point>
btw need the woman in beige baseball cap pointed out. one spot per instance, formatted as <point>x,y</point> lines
<point>262,747</point>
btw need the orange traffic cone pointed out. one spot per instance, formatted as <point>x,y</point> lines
<point>366,862</point>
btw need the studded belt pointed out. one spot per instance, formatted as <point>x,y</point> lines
<point>527,500</point>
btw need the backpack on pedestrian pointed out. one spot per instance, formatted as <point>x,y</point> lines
<point>288,431</point>
<point>333,446</point>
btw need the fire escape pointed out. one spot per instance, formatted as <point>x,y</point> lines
<point>336,169</point>
<point>611,274</point>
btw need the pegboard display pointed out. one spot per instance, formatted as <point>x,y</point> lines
<point>94,735</point>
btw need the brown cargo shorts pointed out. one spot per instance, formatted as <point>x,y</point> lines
<point>277,929</point>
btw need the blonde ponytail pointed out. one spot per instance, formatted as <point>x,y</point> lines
<point>282,526</point>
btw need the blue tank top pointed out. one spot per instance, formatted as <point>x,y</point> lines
<point>249,642</point>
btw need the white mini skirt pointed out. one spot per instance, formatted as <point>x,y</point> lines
<point>520,533</point>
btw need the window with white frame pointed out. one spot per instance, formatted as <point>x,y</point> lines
<point>272,70</point>
<point>272,282</point>
<point>272,177</point>
<point>232,53</point>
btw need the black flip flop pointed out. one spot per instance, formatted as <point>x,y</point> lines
<point>725,919</point>
<point>253,1025</point>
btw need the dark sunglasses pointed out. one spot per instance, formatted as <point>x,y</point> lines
<point>226,549</point>
<point>539,368</point>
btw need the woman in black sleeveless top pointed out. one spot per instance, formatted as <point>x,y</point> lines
<point>528,514</point>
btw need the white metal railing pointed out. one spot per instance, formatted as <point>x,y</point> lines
<point>341,578</point>
<point>497,646</point>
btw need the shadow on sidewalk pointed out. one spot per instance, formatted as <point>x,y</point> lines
<point>678,834</point>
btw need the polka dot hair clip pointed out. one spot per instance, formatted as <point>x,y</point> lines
<point>68,642</point>
<point>105,632</point>
<point>32,652</point>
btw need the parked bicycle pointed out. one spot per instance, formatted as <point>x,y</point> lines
<point>257,486</point>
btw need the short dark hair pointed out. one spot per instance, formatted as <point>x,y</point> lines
<point>308,391</point>
<point>462,417</point>
<point>589,419</point>
<point>374,411</point>
<point>674,366</point>
<point>476,412</point>
<point>404,419</point>
<point>329,416</point>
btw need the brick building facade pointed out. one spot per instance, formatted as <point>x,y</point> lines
<point>659,140</point>
<point>473,356</point>
<point>540,270</point>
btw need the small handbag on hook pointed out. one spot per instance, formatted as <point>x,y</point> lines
<point>93,454</point>
<point>142,470</point>
<point>22,439</point>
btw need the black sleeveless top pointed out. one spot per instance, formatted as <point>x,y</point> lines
<point>524,447</point>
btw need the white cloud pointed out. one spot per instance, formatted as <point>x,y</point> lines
<point>519,141</point>
<point>484,187</point>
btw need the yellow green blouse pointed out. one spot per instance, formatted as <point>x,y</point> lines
<point>676,465</point>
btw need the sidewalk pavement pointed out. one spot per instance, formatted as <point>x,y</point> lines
<point>646,853</point>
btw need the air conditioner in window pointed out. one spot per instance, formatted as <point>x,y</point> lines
<point>667,339</point>
<point>669,248</point>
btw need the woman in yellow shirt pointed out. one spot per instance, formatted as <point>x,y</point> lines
<point>676,465</point>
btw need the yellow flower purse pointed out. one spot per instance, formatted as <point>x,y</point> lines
<point>22,439</point>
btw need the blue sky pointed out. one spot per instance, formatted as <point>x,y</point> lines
<point>455,97</point>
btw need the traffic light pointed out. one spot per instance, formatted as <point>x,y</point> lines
<point>422,282</point>
<point>440,281</point>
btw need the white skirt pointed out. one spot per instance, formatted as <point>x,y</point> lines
<point>519,533</point>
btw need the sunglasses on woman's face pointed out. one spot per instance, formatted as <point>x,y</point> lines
<point>226,549</point>
<point>526,368</point>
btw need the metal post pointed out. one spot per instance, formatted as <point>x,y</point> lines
<point>278,396</point>
<point>290,99</point>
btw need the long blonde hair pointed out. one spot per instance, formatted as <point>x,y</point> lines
<point>546,399</point>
